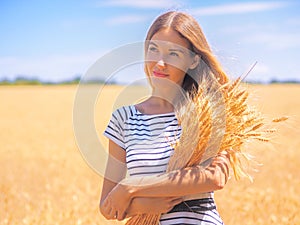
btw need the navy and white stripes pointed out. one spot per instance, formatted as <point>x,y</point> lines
<point>148,141</point>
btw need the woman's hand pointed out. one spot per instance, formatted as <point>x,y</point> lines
<point>141,205</point>
<point>116,203</point>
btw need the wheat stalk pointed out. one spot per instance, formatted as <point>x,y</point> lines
<point>212,122</point>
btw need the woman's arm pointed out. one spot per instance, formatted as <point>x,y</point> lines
<point>178,183</point>
<point>115,172</point>
<point>187,181</point>
<point>141,205</point>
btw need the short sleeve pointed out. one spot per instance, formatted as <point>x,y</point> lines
<point>115,128</point>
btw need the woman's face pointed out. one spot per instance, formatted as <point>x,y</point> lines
<point>168,56</point>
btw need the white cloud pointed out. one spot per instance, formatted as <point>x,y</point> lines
<point>261,69</point>
<point>145,4</point>
<point>273,40</point>
<point>243,29</point>
<point>261,72</point>
<point>294,21</point>
<point>237,8</point>
<point>126,19</point>
<point>51,68</point>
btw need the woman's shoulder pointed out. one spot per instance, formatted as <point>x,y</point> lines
<point>125,112</point>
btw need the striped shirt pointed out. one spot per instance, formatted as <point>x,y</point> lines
<point>148,141</point>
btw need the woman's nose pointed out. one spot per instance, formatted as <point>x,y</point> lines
<point>161,64</point>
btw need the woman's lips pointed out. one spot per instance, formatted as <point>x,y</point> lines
<point>158,74</point>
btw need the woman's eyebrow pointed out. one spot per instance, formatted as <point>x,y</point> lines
<point>171,49</point>
<point>176,50</point>
<point>152,43</point>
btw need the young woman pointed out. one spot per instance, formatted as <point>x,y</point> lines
<point>141,135</point>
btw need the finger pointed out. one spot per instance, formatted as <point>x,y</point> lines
<point>105,203</point>
<point>108,211</point>
<point>105,210</point>
<point>120,215</point>
<point>124,215</point>
<point>112,214</point>
<point>109,214</point>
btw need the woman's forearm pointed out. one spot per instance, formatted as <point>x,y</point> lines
<point>187,181</point>
<point>141,205</point>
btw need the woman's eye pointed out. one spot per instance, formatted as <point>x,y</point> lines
<point>152,49</point>
<point>174,54</point>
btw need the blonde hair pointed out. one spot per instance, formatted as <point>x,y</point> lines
<point>189,29</point>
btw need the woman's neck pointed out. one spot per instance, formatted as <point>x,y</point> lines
<point>155,105</point>
<point>160,103</point>
<point>165,96</point>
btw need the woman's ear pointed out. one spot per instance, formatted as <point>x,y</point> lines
<point>195,62</point>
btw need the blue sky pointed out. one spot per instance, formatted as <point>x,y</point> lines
<point>58,40</point>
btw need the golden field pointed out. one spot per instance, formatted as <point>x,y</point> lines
<point>45,180</point>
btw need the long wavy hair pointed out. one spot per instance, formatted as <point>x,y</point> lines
<point>189,28</point>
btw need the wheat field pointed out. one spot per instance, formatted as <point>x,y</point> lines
<point>44,178</point>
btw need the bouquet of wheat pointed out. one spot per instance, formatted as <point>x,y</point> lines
<point>215,119</point>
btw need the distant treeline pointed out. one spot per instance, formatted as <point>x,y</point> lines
<point>34,81</point>
<point>76,80</point>
<point>274,81</point>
